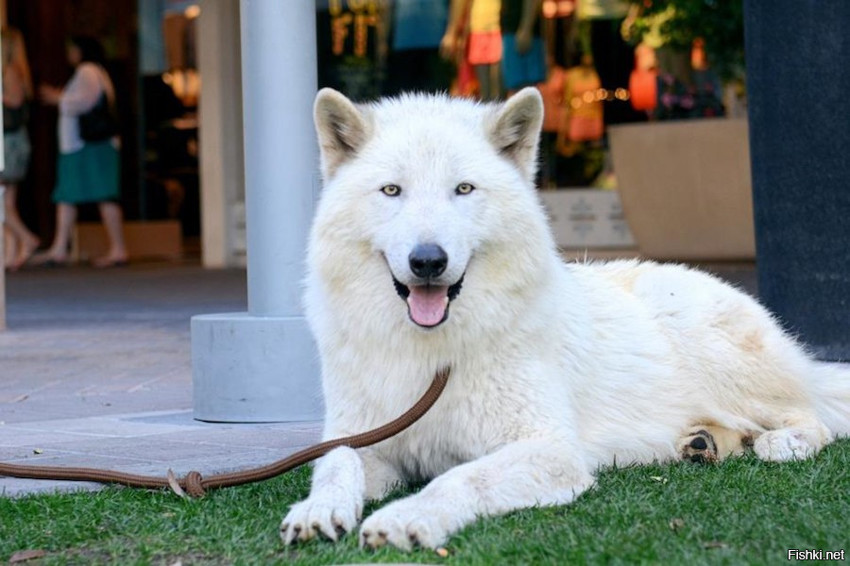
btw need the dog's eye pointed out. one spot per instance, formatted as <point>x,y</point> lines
<point>464,189</point>
<point>391,190</point>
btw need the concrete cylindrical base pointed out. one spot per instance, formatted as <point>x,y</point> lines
<point>248,369</point>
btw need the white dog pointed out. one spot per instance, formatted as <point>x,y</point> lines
<point>430,248</point>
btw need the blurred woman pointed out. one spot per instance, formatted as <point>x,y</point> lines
<point>87,171</point>
<point>17,94</point>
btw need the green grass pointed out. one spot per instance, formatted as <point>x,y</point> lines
<point>739,511</point>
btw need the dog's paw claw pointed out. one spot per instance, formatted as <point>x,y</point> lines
<point>318,517</point>
<point>406,525</point>
<point>373,540</point>
<point>339,526</point>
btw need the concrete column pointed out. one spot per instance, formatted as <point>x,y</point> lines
<point>279,84</point>
<point>262,365</point>
<point>797,85</point>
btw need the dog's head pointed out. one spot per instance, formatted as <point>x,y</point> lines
<point>423,195</point>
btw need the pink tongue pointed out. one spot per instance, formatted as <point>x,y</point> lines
<point>427,305</point>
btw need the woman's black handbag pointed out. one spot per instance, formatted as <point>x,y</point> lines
<point>15,118</point>
<point>99,123</point>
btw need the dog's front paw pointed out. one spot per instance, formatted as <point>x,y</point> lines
<point>407,523</point>
<point>331,513</point>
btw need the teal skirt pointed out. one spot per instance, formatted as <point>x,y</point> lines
<point>88,175</point>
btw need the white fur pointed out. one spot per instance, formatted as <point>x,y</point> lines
<point>557,369</point>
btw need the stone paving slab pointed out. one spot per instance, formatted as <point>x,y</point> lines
<point>94,427</point>
<point>139,444</point>
<point>15,487</point>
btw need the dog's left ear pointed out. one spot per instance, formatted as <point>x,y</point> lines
<point>515,129</point>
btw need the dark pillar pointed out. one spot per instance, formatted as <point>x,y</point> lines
<point>798,87</point>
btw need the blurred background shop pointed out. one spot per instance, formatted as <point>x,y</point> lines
<point>644,147</point>
<point>645,110</point>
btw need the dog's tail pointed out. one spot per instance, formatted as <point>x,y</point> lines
<point>832,396</point>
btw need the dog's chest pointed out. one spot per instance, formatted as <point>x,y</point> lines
<point>461,427</point>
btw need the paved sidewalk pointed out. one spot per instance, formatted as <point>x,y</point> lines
<point>95,371</point>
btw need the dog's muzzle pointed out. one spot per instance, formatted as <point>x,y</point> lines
<point>428,305</point>
<point>428,302</point>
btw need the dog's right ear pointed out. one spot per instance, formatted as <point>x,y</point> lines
<point>341,127</point>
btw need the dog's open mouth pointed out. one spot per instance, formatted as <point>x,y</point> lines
<point>428,305</point>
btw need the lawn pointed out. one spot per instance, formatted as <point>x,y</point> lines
<point>739,511</point>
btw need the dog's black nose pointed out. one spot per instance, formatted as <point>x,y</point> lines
<point>428,260</point>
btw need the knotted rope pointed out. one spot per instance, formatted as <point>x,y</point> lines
<point>196,486</point>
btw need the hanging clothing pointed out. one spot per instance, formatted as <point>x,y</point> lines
<point>584,107</point>
<point>419,24</point>
<point>485,36</point>
<point>552,92</point>
<point>520,69</point>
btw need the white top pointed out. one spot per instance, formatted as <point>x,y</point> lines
<point>78,97</point>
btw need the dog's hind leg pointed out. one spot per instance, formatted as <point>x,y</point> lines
<point>797,436</point>
<point>710,443</point>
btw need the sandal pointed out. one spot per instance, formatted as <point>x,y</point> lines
<point>47,261</point>
<point>109,263</point>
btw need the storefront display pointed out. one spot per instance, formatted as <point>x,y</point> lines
<point>352,45</point>
<point>597,63</point>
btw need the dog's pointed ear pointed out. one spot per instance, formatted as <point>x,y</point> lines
<point>515,129</point>
<point>341,128</point>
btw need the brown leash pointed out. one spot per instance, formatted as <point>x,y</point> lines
<point>196,485</point>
